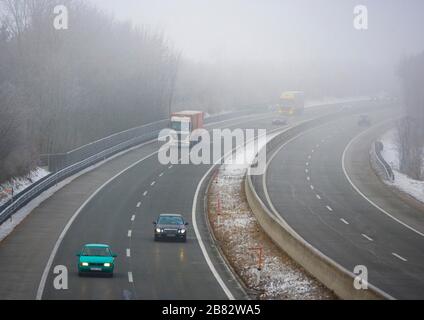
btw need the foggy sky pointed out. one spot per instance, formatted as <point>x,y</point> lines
<point>280,30</point>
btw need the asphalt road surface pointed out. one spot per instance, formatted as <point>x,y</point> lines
<point>307,186</point>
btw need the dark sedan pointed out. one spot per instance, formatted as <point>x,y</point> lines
<point>170,227</point>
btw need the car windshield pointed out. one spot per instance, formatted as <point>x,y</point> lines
<point>173,220</point>
<point>96,251</point>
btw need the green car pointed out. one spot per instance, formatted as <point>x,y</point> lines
<point>96,259</point>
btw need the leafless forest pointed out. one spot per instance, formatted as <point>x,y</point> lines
<point>62,89</point>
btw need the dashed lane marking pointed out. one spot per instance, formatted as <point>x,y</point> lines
<point>367,237</point>
<point>344,221</point>
<point>399,257</point>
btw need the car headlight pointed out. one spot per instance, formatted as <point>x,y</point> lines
<point>107,265</point>
<point>158,230</point>
<point>84,264</point>
<point>182,231</point>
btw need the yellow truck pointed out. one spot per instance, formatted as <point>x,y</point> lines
<point>291,103</point>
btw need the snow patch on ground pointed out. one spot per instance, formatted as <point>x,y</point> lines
<point>19,184</point>
<point>410,186</point>
<point>238,234</point>
<point>402,182</point>
<point>390,151</point>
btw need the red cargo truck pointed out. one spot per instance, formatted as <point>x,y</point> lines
<point>184,123</point>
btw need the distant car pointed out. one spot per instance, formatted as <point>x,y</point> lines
<point>279,122</point>
<point>171,227</point>
<point>96,259</point>
<point>364,120</point>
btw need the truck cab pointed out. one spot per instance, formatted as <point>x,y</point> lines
<point>292,103</point>
<point>184,123</point>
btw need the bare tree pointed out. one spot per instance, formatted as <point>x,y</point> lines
<point>411,129</point>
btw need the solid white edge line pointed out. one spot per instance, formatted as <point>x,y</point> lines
<point>218,278</point>
<point>200,241</point>
<point>46,271</point>
<point>360,192</point>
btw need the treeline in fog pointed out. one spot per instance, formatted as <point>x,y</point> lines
<point>60,89</point>
<point>63,88</point>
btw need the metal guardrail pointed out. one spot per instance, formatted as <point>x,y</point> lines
<point>85,156</point>
<point>22,198</point>
<point>381,162</point>
<point>57,162</point>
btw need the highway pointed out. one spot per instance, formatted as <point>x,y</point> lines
<point>312,182</point>
<point>116,204</point>
<point>120,213</point>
